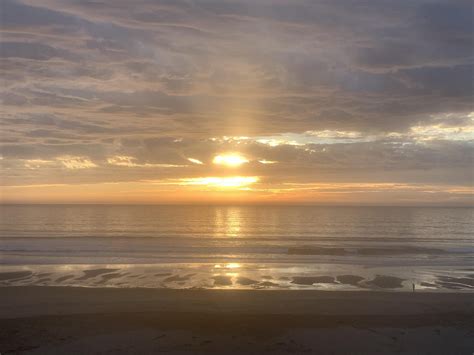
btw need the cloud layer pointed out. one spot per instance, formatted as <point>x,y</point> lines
<point>341,92</point>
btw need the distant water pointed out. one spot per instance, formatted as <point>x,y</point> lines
<point>238,247</point>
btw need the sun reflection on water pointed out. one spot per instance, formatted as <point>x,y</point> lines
<point>228,222</point>
<point>227,266</point>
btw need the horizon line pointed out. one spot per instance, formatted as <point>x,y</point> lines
<point>216,204</point>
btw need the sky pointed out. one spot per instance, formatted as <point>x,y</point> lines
<point>239,101</point>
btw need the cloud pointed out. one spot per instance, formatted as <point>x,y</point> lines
<point>38,163</point>
<point>73,163</point>
<point>29,50</point>
<point>264,161</point>
<point>328,89</point>
<point>120,160</point>
<point>195,161</point>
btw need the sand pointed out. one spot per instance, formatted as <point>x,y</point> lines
<point>60,320</point>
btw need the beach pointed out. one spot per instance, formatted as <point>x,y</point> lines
<point>56,320</point>
<point>236,280</point>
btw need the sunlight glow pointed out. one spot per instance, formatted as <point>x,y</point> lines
<point>231,181</point>
<point>231,160</point>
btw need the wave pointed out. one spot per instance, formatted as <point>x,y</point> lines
<point>368,251</point>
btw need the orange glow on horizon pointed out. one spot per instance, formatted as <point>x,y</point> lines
<point>231,181</point>
<point>233,189</point>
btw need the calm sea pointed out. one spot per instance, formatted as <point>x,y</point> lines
<point>238,247</point>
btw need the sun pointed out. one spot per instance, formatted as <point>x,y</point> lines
<point>230,160</point>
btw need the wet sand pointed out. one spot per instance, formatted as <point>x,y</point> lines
<point>58,320</point>
<point>225,277</point>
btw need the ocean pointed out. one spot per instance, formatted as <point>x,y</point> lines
<point>257,247</point>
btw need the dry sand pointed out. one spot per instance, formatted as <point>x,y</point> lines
<point>61,320</point>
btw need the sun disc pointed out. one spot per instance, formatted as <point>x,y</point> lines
<point>231,160</point>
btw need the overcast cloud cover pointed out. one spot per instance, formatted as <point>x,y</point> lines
<point>369,100</point>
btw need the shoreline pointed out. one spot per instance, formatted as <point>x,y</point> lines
<point>249,276</point>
